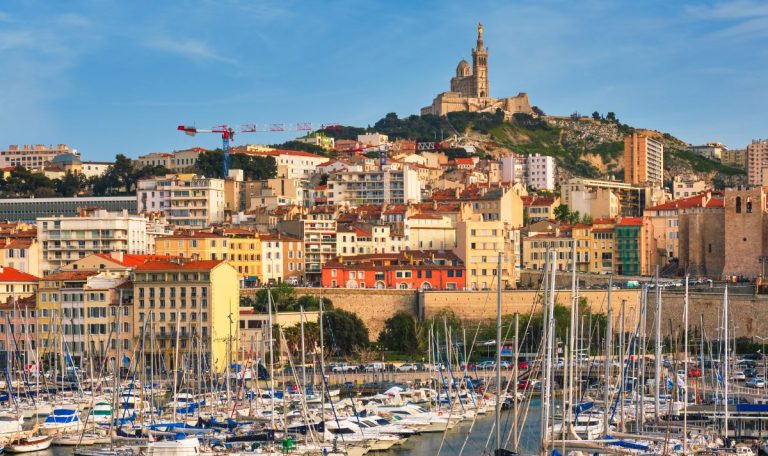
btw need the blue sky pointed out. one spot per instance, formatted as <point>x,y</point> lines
<point>113,77</point>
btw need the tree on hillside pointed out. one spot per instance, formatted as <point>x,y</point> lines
<point>345,332</point>
<point>611,117</point>
<point>536,110</point>
<point>211,164</point>
<point>399,334</point>
<point>71,184</point>
<point>302,146</point>
<point>596,115</point>
<point>562,213</point>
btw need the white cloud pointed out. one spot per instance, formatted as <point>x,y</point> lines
<point>741,9</point>
<point>189,49</point>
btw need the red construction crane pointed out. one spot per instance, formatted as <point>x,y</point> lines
<point>228,133</point>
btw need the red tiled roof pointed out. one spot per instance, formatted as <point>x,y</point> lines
<point>603,221</point>
<point>631,221</point>
<point>297,153</point>
<point>203,265</point>
<point>464,161</point>
<point>131,260</point>
<point>192,235</point>
<point>14,275</point>
<point>70,275</point>
<point>683,203</point>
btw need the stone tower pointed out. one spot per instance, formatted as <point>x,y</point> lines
<point>480,67</point>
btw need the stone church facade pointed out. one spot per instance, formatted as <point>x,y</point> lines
<point>470,89</point>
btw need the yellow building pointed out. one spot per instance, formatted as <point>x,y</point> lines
<point>478,245</point>
<point>240,248</point>
<point>195,303</point>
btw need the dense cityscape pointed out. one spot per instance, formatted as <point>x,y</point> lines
<point>481,274</point>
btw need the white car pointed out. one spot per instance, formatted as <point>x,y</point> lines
<point>738,375</point>
<point>407,367</point>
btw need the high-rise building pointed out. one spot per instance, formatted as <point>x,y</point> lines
<point>643,160</point>
<point>390,184</point>
<point>757,162</point>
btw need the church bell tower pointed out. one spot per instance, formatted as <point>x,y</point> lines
<point>480,67</point>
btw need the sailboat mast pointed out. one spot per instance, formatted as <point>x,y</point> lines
<point>549,346</point>
<point>271,359</point>
<point>498,353</point>
<point>572,342</point>
<point>657,351</point>
<point>303,357</point>
<point>685,366</point>
<point>607,359</point>
<point>514,378</point>
<point>726,361</point>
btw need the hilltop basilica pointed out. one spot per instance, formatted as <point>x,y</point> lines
<point>470,90</point>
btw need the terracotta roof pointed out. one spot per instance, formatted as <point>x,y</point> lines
<point>14,275</point>
<point>278,237</point>
<point>603,221</point>
<point>132,260</point>
<point>464,161</point>
<point>70,275</point>
<point>203,265</point>
<point>684,203</point>
<point>631,221</point>
<point>192,235</point>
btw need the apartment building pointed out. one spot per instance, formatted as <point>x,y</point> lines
<point>711,150</point>
<point>430,232</point>
<point>635,247</point>
<point>240,248</point>
<point>409,269</point>
<point>183,304</point>
<point>22,253</point>
<point>15,284</point>
<point>282,259</point>
<point>643,160</point>
<point>685,185</point>
<point>630,199</point>
<point>32,157</point>
<point>66,239</point>
<point>478,245</point>
<point>757,162</point>
<point>737,158</point>
<point>390,184</point>
<point>187,200</point>
<point>541,172</point>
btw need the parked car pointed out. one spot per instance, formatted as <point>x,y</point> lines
<point>756,383</point>
<point>407,367</point>
<point>485,365</point>
<point>344,367</point>
<point>374,367</point>
<point>523,365</point>
<point>750,372</point>
<point>738,375</point>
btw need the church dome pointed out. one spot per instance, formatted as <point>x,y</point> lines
<point>463,69</point>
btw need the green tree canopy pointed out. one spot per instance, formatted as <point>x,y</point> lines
<point>346,332</point>
<point>400,334</point>
<point>210,164</point>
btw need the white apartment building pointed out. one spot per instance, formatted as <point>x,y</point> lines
<point>513,168</point>
<point>373,139</point>
<point>710,150</point>
<point>757,162</point>
<point>388,184</point>
<point>187,200</point>
<point>271,259</point>
<point>32,157</point>
<point>295,164</point>
<point>541,172</point>
<point>430,232</point>
<point>66,239</point>
<point>685,185</point>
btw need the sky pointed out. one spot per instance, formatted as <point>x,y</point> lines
<point>108,77</point>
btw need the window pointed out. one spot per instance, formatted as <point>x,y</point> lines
<point>738,205</point>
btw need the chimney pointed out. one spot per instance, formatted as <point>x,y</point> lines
<point>2,269</point>
<point>117,256</point>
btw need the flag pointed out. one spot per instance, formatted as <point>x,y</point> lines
<point>69,358</point>
<point>126,360</point>
<point>670,385</point>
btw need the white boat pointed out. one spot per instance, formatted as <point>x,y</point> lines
<point>64,419</point>
<point>29,444</point>
<point>182,447</point>
<point>100,413</point>
<point>76,439</point>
